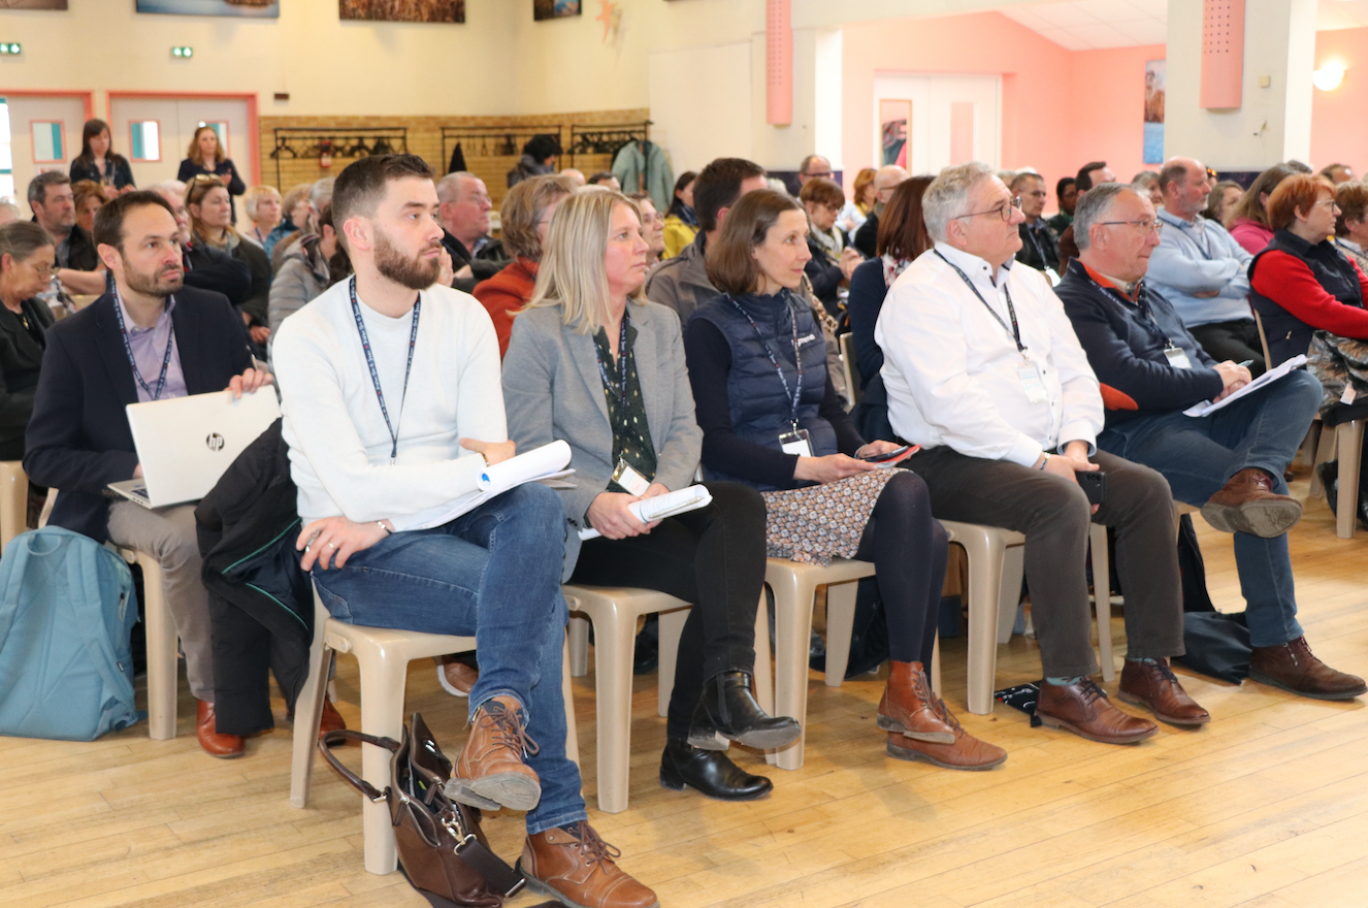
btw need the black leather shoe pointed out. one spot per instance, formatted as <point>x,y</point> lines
<point>1329,477</point>
<point>710,772</point>
<point>727,711</point>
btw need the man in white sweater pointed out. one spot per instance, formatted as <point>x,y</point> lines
<point>393,408</point>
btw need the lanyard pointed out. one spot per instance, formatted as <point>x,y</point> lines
<point>375,375</point>
<point>1014,329</point>
<point>797,391</point>
<point>1151,323</point>
<point>1035,241</point>
<point>128,348</point>
<point>1185,226</point>
<point>621,362</point>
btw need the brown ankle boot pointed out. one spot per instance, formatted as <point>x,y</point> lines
<point>575,866</point>
<point>215,744</point>
<point>1294,668</point>
<point>967,752</point>
<point>1154,686</point>
<point>909,708</point>
<point>1248,504</point>
<point>490,772</point>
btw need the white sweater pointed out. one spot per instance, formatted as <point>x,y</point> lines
<point>339,444</point>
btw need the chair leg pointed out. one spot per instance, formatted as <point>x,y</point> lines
<point>383,680</point>
<point>670,629</point>
<point>568,694</point>
<point>1009,599</point>
<point>614,647</point>
<point>1101,565</point>
<point>1348,447</point>
<point>1325,450</point>
<point>13,505</point>
<point>935,666</point>
<point>763,676</point>
<point>579,646</point>
<point>308,717</point>
<point>162,671</point>
<point>984,552</point>
<point>793,630</point>
<point>840,617</point>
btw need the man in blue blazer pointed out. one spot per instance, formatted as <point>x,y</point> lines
<point>151,339</point>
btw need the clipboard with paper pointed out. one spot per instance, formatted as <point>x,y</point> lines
<point>1206,408</point>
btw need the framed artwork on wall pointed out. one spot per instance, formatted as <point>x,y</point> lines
<point>144,140</point>
<point>49,145</point>
<point>403,10</point>
<point>555,9</point>
<point>894,117</point>
<point>261,9</point>
<point>1154,112</point>
<point>33,4</point>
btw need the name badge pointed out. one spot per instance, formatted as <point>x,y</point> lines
<point>1177,358</point>
<point>1349,395</point>
<point>630,479</point>
<point>797,442</point>
<point>1031,383</point>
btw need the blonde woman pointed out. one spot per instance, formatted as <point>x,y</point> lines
<point>212,236</point>
<point>263,207</point>
<point>206,156</point>
<point>595,364</point>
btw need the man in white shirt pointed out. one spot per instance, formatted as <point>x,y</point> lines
<point>393,410</point>
<point>984,371</point>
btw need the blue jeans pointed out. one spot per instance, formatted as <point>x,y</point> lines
<point>494,573</point>
<point>1198,456</point>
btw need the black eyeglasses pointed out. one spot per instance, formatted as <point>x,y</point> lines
<point>1141,226</point>
<point>1003,210</point>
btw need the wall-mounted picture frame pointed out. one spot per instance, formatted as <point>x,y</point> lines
<point>255,9</point>
<point>895,119</point>
<point>1155,94</point>
<point>49,141</point>
<point>33,4</point>
<point>555,9</point>
<point>144,140</point>
<point>403,10</point>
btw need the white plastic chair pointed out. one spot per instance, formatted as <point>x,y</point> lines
<point>163,672</point>
<point>383,655</point>
<point>14,487</point>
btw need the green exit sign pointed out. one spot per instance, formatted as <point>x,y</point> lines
<point>183,52</point>
<point>10,49</point>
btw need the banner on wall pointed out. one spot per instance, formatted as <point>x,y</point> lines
<point>265,9</point>
<point>1154,112</point>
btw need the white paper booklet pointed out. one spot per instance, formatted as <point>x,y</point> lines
<point>662,506</point>
<point>546,463</point>
<point>1206,408</point>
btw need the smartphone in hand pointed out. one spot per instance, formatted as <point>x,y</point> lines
<point>1094,486</point>
<point>889,458</point>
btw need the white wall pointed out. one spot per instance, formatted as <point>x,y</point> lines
<point>709,116</point>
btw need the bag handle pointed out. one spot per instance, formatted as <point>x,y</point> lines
<point>333,738</point>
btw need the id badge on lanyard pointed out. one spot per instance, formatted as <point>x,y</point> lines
<point>630,479</point>
<point>797,441</point>
<point>1176,357</point>
<point>1031,382</point>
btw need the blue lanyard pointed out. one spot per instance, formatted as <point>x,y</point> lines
<point>621,363</point>
<point>1015,329</point>
<point>1185,226</point>
<point>1140,305</point>
<point>797,357</point>
<point>128,348</point>
<point>375,375</point>
<point>1035,241</point>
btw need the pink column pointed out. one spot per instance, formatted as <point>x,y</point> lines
<point>778,63</point>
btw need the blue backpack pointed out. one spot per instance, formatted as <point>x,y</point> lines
<point>66,610</point>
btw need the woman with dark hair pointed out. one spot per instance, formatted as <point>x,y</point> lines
<point>211,225</point>
<point>1223,197</point>
<point>681,223</point>
<point>771,419</point>
<point>1247,219</point>
<point>26,259</point>
<point>594,363</point>
<point>538,159</point>
<point>828,268</point>
<point>99,163</point>
<point>206,157</point>
<point>88,196</point>
<point>1351,227</point>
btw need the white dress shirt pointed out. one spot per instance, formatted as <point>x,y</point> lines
<point>953,370</point>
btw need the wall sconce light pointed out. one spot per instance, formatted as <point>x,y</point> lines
<point>1328,77</point>
<point>183,53</point>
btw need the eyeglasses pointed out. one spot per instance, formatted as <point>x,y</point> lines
<point>43,270</point>
<point>1003,210</point>
<point>206,178</point>
<point>819,173</point>
<point>1143,227</point>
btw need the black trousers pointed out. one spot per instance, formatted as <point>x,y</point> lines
<point>1236,341</point>
<point>713,557</point>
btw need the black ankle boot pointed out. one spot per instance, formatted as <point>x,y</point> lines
<point>710,772</point>
<point>727,711</point>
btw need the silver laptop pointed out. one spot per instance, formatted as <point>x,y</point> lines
<point>186,443</point>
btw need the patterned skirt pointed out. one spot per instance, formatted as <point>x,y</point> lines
<point>815,524</point>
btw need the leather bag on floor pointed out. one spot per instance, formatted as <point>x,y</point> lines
<point>442,850</point>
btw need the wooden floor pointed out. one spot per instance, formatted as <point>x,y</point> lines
<point>1267,806</point>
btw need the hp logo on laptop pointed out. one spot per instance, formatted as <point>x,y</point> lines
<point>214,442</point>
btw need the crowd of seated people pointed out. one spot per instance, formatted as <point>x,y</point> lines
<point>413,348</point>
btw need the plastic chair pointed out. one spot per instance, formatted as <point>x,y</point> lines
<point>851,367</point>
<point>614,612</point>
<point>383,655</point>
<point>1347,449</point>
<point>163,673</point>
<point>14,486</point>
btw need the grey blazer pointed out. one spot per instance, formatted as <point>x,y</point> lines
<point>552,389</point>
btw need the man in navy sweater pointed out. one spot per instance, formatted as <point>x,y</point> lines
<point>1230,462</point>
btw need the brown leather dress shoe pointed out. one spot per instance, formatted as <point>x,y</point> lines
<point>577,867</point>
<point>909,708</point>
<point>1154,686</point>
<point>1084,709</point>
<point>1294,668</point>
<point>331,720</point>
<point>457,678</point>
<point>1248,504</point>
<point>967,752</point>
<point>490,772</point>
<point>215,745</point>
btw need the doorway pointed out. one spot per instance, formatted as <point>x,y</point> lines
<point>154,131</point>
<point>925,122</point>
<point>41,132</point>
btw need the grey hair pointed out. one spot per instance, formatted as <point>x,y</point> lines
<point>1092,206</point>
<point>322,192</point>
<point>449,186</point>
<point>37,187</point>
<point>169,188</point>
<point>946,196</point>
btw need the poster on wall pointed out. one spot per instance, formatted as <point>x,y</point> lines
<point>403,10</point>
<point>894,116</point>
<point>262,9</point>
<point>554,9</point>
<point>33,4</point>
<point>1154,112</point>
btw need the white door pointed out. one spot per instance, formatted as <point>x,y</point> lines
<point>155,133</point>
<point>926,122</point>
<point>45,134</point>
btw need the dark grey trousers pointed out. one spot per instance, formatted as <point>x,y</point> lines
<point>1053,514</point>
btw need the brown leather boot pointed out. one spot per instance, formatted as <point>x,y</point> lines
<point>331,720</point>
<point>456,677</point>
<point>909,708</point>
<point>1294,668</point>
<point>1248,504</point>
<point>1154,686</point>
<point>576,866</point>
<point>1083,708</point>
<point>968,752</point>
<point>215,745</point>
<point>490,772</point>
